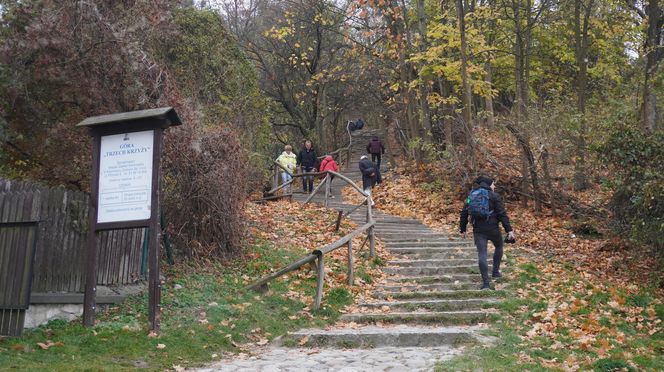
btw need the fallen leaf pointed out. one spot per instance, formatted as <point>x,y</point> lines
<point>161,346</point>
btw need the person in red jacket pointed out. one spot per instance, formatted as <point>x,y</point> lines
<point>328,164</point>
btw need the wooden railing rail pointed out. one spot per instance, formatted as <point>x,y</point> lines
<point>319,253</point>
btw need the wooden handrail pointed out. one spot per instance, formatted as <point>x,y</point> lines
<point>348,237</point>
<point>293,266</point>
<point>311,256</point>
<point>319,253</point>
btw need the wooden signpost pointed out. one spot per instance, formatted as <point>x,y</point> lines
<point>125,190</point>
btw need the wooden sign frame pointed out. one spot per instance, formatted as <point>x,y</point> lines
<point>155,120</point>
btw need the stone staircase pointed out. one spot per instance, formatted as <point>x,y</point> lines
<point>431,296</point>
<point>427,308</point>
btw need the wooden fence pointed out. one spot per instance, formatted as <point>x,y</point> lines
<point>62,230</point>
<point>18,232</point>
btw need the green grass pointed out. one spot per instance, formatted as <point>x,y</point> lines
<point>209,315</point>
<point>511,352</point>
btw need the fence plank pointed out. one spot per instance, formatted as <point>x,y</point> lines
<point>60,238</point>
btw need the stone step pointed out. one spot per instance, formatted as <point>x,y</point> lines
<point>403,288</point>
<point>434,243</point>
<point>420,271</point>
<point>411,237</point>
<point>416,305</point>
<point>388,220</point>
<point>435,279</point>
<point>371,337</point>
<point>438,317</point>
<point>384,230</point>
<point>385,221</point>
<point>457,294</point>
<point>420,233</point>
<point>405,250</point>
<point>440,255</point>
<point>415,231</point>
<point>434,262</point>
<point>415,242</point>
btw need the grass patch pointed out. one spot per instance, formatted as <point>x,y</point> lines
<point>207,316</point>
<point>555,319</point>
<point>610,365</point>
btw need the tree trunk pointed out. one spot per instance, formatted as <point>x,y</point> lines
<point>547,179</point>
<point>424,90</point>
<point>488,99</point>
<point>654,45</point>
<point>581,52</point>
<point>530,164</point>
<point>519,83</point>
<point>467,97</point>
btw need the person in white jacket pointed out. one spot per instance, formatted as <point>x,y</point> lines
<point>288,160</point>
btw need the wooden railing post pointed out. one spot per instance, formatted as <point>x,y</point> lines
<point>372,243</point>
<point>327,188</point>
<point>338,223</point>
<point>350,263</point>
<point>275,178</point>
<point>321,281</point>
<point>313,193</point>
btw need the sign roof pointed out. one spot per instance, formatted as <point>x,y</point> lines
<point>167,114</point>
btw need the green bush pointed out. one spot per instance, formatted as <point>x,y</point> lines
<point>637,164</point>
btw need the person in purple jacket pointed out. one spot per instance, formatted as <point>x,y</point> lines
<point>376,149</point>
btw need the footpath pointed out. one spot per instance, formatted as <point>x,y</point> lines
<point>429,307</point>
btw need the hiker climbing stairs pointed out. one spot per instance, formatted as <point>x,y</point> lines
<point>428,306</point>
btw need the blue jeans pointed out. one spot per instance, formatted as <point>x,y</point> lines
<point>285,177</point>
<point>481,241</point>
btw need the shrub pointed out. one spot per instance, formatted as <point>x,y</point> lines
<point>204,191</point>
<point>637,165</point>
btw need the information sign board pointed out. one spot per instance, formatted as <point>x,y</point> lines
<point>125,177</point>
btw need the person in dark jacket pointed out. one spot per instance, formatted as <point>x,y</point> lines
<point>368,170</point>
<point>307,161</point>
<point>376,149</point>
<point>486,229</point>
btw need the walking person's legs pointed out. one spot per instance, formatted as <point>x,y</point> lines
<point>481,241</point>
<point>304,179</point>
<point>497,240</point>
<point>285,177</point>
<point>376,159</point>
<point>308,180</point>
<point>367,184</point>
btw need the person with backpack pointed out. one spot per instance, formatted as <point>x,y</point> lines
<point>485,209</point>
<point>328,164</point>
<point>376,149</point>
<point>307,160</point>
<point>368,170</point>
<point>288,160</point>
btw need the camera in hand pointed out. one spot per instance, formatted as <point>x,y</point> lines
<point>510,239</point>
